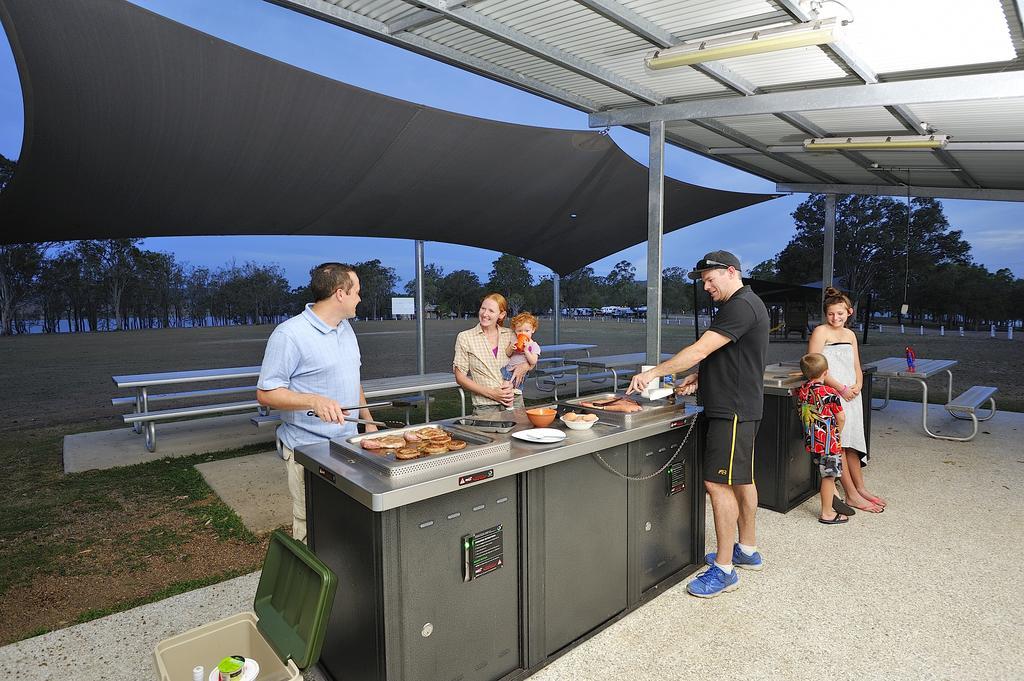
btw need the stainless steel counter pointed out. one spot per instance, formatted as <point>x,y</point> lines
<point>379,493</point>
<point>781,377</point>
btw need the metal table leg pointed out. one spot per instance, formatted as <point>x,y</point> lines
<point>462,396</point>
<point>141,405</point>
<point>151,436</point>
<point>615,380</point>
<point>924,408</point>
<point>885,402</point>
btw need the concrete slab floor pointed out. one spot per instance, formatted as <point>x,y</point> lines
<point>124,447</point>
<point>255,487</point>
<point>929,589</point>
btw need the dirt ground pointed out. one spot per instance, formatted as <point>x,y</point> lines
<point>74,547</point>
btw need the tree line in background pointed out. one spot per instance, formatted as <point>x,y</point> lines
<point>113,284</point>
<point>459,292</point>
<point>898,255</point>
<point>110,284</point>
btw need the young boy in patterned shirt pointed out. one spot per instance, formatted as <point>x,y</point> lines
<point>821,411</point>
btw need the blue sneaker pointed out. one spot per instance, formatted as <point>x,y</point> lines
<point>740,559</point>
<point>712,582</point>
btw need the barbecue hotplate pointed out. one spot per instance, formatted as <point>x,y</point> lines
<point>650,409</point>
<point>478,446</point>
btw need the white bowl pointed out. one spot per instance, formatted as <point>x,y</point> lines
<point>577,425</point>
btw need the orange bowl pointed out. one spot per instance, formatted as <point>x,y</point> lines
<point>541,417</point>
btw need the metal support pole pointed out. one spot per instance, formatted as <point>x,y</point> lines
<point>421,354</point>
<point>867,321</point>
<point>655,230</point>
<point>830,246</point>
<point>556,286</point>
<point>696,314</point>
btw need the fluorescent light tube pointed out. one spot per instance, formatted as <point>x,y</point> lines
<point>881,143</point>
<point>742,44</point>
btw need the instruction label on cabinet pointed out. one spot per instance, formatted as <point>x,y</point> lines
<point>675,478</point>
<point>482,553</point>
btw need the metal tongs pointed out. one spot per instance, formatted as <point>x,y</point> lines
<point>352,419</point>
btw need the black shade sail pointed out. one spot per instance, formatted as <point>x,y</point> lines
<point>136,125</point>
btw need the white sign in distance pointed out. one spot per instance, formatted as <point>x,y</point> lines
<point>403,306</point>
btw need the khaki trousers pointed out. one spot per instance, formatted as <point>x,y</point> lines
<point>297,489</point>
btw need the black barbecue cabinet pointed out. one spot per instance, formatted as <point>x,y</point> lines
<point>487,562</point>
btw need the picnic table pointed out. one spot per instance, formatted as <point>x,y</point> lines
<point>555,375</point>
<point>142,383</point>
<point>144,420</point>
<point>614,363</point>
<point>895,369</point>
<point>375,388</point>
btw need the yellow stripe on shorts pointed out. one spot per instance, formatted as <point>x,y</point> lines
<point>752,444</point>
<point>732,449</point>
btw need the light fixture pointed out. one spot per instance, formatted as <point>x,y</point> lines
<point>742,44</point>
<point>880,143</point>
<point>917,169</point>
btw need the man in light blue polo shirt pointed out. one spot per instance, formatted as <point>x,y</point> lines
<point>312,364</point>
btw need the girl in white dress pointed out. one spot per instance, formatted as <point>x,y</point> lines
<point>839,345</point>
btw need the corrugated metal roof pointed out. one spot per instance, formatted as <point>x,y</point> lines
<point>766,129</point>
<point>684,18</point>
<point>998,171</point>
<point>772,167</point>
<point>698,134</point>
<point>861,121</point>
<point>802,65</point>
<point>839,167</point>
<point>908,159</point>
<point>983,120</point>
<point>590,54</point>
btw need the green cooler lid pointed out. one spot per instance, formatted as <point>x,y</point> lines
<point>293,600</point>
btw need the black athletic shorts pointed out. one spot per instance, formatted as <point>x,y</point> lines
<point>729,452</point>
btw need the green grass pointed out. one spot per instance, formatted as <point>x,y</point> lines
<point>39,498</point>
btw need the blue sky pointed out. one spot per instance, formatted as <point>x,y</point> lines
<point>994,229</point>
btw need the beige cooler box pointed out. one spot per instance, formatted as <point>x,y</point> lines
<point>285,631</point>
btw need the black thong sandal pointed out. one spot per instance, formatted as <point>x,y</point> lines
<point>840,506</point>
<point>838,520</point>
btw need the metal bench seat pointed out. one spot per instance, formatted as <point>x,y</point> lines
<point>166,397</point>
<point>966,406</point>
<point>150,418</point>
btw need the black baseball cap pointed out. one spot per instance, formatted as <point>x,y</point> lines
<point>715,260</point>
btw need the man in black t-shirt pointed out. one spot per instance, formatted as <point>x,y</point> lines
<point>730,385</point>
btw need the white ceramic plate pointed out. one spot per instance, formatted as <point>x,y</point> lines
<point>541,435</point>
<point>249,672</point>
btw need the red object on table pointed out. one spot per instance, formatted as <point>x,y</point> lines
<point>911,357</point>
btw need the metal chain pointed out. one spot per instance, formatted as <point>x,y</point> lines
<point>660,470</point>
